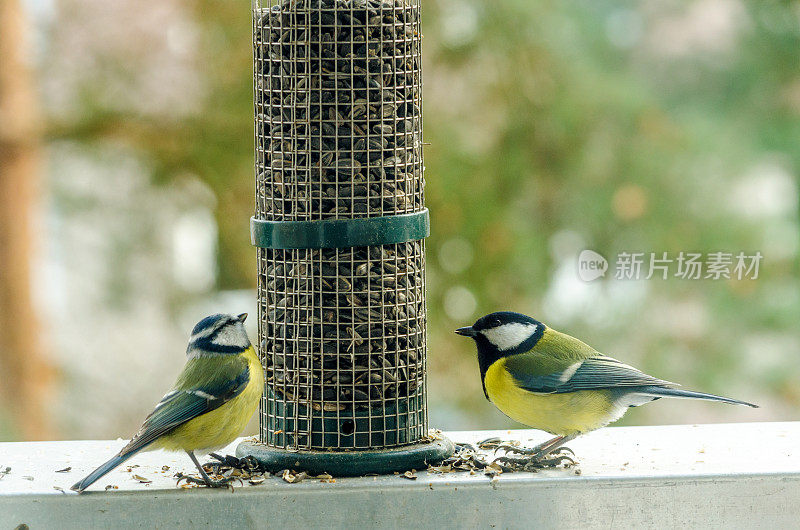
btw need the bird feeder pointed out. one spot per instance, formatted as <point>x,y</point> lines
<point>340,224</point>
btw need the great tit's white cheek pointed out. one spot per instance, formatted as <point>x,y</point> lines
<point>509,336</point>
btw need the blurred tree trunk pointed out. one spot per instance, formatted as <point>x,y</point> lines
<point>25,374</point>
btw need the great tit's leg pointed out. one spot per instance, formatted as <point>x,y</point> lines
<point>541,449</point>
<point>536,457</point>
<point>489,443</point>
<point>556,444</point>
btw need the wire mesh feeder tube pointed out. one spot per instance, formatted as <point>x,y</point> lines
<point>340,225</point>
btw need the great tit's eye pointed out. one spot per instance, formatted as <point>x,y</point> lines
<point>496,322</point>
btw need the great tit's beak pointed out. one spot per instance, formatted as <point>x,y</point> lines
<point>242,317</point>
<point>466,331</point>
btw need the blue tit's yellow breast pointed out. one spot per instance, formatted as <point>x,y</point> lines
<point>560,414</point>
<point>224,424</point>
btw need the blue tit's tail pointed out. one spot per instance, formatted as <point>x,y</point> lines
<point>662,391</point>
<point>98,473</point>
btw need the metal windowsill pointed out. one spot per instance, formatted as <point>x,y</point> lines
<point>733,475</point>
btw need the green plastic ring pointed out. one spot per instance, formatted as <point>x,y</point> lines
<point>340,233</point>
<point>350,463</point>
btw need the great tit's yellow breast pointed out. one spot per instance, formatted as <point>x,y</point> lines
<point>224,424</point>
<point>560,414</point>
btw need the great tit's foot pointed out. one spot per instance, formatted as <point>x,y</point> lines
<point>460,447</point>
<point>534,462</point>
<point>557,460</point>
<point>489,443</point>
<point>562,449</point>
<point>517,450</point>
<point>538,450</point>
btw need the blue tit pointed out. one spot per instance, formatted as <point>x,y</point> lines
<point>554,382</point>
<point>211,402</point>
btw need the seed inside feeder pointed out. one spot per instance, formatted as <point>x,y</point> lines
<point>339,136</point>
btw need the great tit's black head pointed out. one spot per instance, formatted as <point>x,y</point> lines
<point>501,334</point>
<point>504,331</point>
<point>219,334</point>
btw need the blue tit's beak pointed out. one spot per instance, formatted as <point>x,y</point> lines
<point>242,317</point>
<point>466,331</point>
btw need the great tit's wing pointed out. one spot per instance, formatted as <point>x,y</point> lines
<point>204,385</point>
<point>591,373</point>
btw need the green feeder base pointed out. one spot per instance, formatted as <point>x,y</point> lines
<point>350,463</point>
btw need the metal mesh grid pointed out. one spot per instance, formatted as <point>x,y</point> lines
<point>337,87</point>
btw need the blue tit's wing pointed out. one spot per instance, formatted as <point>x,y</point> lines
<point>214,386</point>
<point>591,373</point>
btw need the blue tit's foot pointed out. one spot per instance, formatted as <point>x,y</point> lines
<point>206,481</point>
<point>247,463</point>
<point>227,460</point>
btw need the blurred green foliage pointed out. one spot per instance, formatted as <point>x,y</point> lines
<point>555,126</point>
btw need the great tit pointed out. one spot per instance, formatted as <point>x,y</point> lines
<point>209,405</point>
<point>554,382</point>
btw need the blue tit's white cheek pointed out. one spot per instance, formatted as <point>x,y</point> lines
<point>203,333</point>
<point>232,335</point>
<point>509,336</point>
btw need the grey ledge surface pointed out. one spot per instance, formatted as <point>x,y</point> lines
<point>687,476</point>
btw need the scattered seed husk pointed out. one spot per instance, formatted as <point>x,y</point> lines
<point>141,479</point>
<point>493,469</point>
<point>65,470</point>
<point>409,475</point>
<point>293,478</point>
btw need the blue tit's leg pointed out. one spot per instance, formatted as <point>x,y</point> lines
<point>202,471</point>
<point>206,480</point>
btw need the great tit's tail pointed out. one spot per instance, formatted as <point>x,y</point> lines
<point>663,391</point>
<point>98,473</point>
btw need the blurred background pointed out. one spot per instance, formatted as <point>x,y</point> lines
<point>126,184</point>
